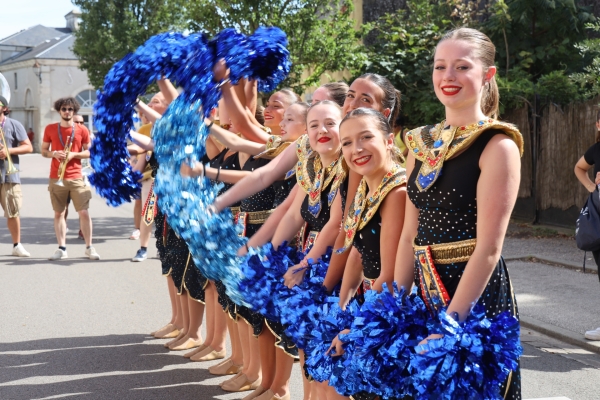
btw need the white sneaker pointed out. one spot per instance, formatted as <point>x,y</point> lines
<point>91,253</point>
<point>20,251</point>
<point>593,335</point>
<point>59,255</point>
<point>135,235</point>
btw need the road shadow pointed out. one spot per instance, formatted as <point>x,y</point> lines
<point>36,230</point>
<point>103,367</point>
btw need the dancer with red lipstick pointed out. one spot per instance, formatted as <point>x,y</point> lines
<point>462,186</point>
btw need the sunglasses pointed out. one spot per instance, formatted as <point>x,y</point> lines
<point>79,122</point>
<point>67,109</point>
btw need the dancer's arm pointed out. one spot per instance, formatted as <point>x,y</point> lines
<point>497,190</point>
<point>353,277</point>
<point>135,150</point>
<point>167,89</point>
<point>327,237</point>
<point>148,112</point>
<point>142,141</point>
<point>338,261</point>
<point>235,109</point>
<point>392,219</point>
<point>259,179</point>
<point>267,230</point>
<point>140,164</point>
<point>235,143</point>
<point>291,223</point>
<point>404,271</point>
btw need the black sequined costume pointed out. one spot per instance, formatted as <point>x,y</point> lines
<point>175,256</point>
<point>259,202</point>
<point>448,213</point>
<point>232,163</point>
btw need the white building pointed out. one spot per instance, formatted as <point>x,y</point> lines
<point>40,67</point>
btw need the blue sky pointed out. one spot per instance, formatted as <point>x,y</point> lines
<point>25,13</point>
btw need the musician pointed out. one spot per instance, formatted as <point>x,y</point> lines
<point>10,184</point>
<point>58,137</point>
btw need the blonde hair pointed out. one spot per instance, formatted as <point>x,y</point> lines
<point>485,51</point>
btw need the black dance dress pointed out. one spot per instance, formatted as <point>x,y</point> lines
<point>175,257</point>
<point>232,163</point>
<point>448,214</point>
<point>253,212</point>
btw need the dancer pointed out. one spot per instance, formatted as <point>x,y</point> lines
<point>462,186</point>
<point>12,134</point>
<point>319,173</point>
<point>70,143</point>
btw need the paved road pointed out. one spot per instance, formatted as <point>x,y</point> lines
<point>78,329</point>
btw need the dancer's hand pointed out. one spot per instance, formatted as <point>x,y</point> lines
<point>336,345</point>
<point>295,275</point>
<point>188,171</point>
<point>220,70</point>
<point>434,336</point>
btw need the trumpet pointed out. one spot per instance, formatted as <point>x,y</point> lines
<point>63,164</point>
<point>11,169</point>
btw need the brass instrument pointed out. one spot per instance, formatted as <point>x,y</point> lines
<point>5,92</point>
<point>63,164</point>
<point>11,169</point>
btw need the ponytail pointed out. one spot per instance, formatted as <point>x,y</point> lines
<point>490,101</point>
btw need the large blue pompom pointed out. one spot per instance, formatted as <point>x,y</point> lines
<point>473,359</point>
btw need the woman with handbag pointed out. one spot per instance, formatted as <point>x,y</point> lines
<point>589,159</point>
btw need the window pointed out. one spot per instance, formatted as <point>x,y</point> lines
<point>86,98</point>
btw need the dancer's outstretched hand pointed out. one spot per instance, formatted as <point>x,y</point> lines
<point>336,345</point>
<point>294,275</point>
<point>433,336</point>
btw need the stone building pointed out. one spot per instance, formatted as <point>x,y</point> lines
<point>40,67</point>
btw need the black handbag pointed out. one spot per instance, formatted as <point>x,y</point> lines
<point>587,228</point>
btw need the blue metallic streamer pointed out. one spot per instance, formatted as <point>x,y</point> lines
<point>188,60</point>
<point>473,359</point>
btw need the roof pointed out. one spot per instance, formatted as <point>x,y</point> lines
<point>33,36</point>
<point>56,49</point>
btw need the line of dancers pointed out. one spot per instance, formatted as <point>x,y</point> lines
<point>303,179</point>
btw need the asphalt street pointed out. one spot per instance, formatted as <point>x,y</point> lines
<point>79,328</point>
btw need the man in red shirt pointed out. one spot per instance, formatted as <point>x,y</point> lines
<point>56,138</point>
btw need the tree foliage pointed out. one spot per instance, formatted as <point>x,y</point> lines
<point>321,33</point>
<point>110,29</point>
<point>542,50</point>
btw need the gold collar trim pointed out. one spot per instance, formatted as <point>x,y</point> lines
<point>363,208</point>
<point>432,145</point>
<point>313,180</point>
<point>274,147</point>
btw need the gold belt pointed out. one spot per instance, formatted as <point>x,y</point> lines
<point>448,253</point>
<point>256,217</point>
<point>234,210</point>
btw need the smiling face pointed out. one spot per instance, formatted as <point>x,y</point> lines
<point>364,93</point>
<point>276,106</point>
<point>458,76</point>
<point>293,124</point>
<point>365,148</point>
<point>323,121</point>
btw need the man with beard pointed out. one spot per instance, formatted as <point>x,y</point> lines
<point>57,137</point>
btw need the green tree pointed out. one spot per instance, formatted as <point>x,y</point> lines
<point>321,33</point>
<point>110,29</point>
<point>589,79</point>
<point>403,52</point>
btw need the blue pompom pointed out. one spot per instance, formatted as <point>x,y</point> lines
<point>473,359</point>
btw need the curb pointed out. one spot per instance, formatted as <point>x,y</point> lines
<point>556,332</point>
<point>590,268</point>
